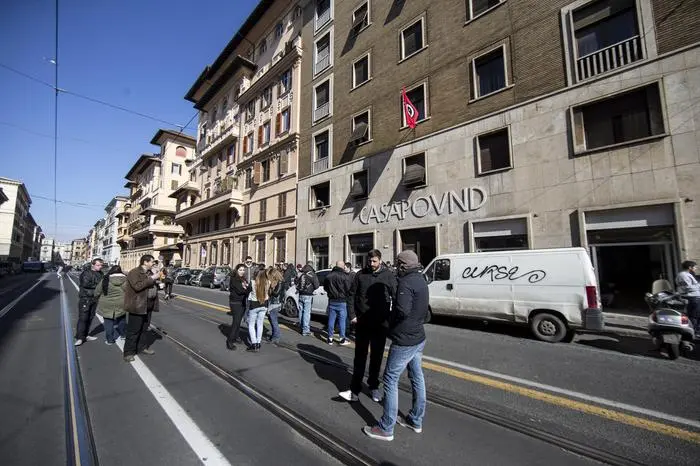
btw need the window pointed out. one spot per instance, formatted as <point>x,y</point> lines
<point>283,122</point>
<point>231,154</point>
<point>283,164</point>
<point>500,235</point>
<point>319,252</point>
<point>266,133</point>
<point>180,151</point>
<point>265,168</point>
<point>248,178</point>
<point>412,39</point>
<point>414,171</point>
<point>360,71</point>
<point>297,12</point>
<point>622,118</point>
<point>250,110</point>
<point>285,83</point>
<point>479,7</point>
<point>360,17</point>
<point>489,73</point>
<point>417,96</point>
<point>229,218</point>
<point>322,100</point>
<point>244,250</point>
<point>359,185</point>
<point>262,48</point>
<point>320,196</point>
<point>266,98</point>
<point>606,36</point>
<point>282,205</point>
<point>224,106</point>
<point>438,271</point>
<point>261,250</point>
<point>246,214</point>
<point>280,249</point>
<point>248,143</point>
<point>323,13</point>
<point>174,184</point>
<point>176,169</point>
<point>279,29</point>
<point>216,222</point>
<point>494,151</point>
<point>321,151</point>
<point>212,116</point>
<point>360,128</point>
<point>263,210</point>
<point>323,53</point>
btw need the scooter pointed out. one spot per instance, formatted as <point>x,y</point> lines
<point>669,327</point>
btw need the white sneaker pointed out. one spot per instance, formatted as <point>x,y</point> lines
<point>90,338</point>
<point>78,342</point>
<point>376,395</point>
<point>348,395</point>
<point>344,342</point>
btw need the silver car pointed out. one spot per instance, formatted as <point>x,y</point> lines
<point>214,276</point>
<point>319,305</point>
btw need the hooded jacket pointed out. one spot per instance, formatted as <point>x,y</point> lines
<point>111,305</point>
<point>136,291</point>
<point>88,282</point>
<point>307,275</point>
<point>410,309</point>
<point>337,285</point>
<point>374,292</point>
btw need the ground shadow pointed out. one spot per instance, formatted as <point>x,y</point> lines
<point>630,345</point>
<point>31,305</point>
<point>483,326</point>
<point>394,11</point>
<point>96,330</point>
<point>151,336</point>
<point>331,372</point>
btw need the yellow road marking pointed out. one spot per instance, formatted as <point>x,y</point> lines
<point>595,410</point>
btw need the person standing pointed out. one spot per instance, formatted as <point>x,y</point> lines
<point>339,290</point>
<point>374,289</point>
<point>250,269</point>
<point>239,288</point>
<point>87,301</point>
<point>306,284</point>
<point>407,337</point>
<point>290,274</point>
<point>257,308</point>
<point>168,280</point>
<point>140,282</point>
<point>110,292</point>
<point>276,284</point>
<point>689,288</point>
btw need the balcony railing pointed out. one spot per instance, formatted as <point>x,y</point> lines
<point>323,61</point>
<point>322,111</point>
<point>323,18</point>
<point>321,165</point>
<point>607,59</point>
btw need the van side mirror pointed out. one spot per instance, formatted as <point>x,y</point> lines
<point>428,278</point>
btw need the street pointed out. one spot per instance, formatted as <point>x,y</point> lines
<point>496,396</point>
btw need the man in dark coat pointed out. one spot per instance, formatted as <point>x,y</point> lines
<point>306,284</point>
<point>87,301</point>
<point>407,343</point>
<point>374,289</point>
<point>338,288</point>
<point>138,305</point>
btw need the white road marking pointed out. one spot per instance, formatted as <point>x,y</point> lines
<point>10,306</point>
<point>569,393</point>
<point>205,450</point>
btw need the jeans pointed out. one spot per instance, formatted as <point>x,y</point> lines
<point>115,328</point>
<point>337,309</point>
<point>272,317</point>
<point>86,312</point>
<point>368,335</point>
<point>256,318</point>
<point>168,289</point>
<point>305,313</point>
<point>136,327</point>
<point>401,357</point>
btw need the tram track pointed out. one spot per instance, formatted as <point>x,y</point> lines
<point>347,453</point>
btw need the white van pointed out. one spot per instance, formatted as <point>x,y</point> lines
<point>554,291</point>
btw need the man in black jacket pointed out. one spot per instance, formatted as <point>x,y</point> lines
<point>306,284</point>
<point>87,302</point>
<point>374,289</point>
<point>407,342</point>
<point>339,289</point>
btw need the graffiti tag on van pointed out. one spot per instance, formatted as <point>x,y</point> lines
<point>502,272</point>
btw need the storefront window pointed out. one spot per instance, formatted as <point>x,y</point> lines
<point>360,245</point>
<point>319,253</point>
<point>500,235</point>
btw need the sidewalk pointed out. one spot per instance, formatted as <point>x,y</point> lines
<point>626,324</point>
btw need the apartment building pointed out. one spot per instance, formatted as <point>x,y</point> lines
<point>31,245</point>
<point>149,212</point>
<point>14,215</point>
<point>110,248</point>
<point>78,251</point>
<point>539,125</point>
<point>240,199</point>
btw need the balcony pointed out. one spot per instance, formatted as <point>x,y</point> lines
<point>225,130</point>
<point>321,165</point>
<point>322,111</point>
<point>224,196</point>
<point>607,59</point>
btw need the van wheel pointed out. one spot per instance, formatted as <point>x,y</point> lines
<point>429,317</point>
<point>548,327</point>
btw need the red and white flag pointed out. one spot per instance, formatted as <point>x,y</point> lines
<point>410,111</point>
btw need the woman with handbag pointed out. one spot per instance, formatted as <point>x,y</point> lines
<point>237,301</point>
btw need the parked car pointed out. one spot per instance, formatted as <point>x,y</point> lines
<point>214,276</point>
<point>319,304</point>
<point>182,276</point>
<point>195,277</point>
<point>226,282</point>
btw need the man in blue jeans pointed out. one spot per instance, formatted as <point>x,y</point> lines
<point>338,286</point>
<point>306,284</point>
<point>407,342</point>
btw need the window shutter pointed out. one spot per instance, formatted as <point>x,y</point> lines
<point>283,164</point>
<point>245,145</point>
<point>257,169</point>
<point>278,124</point>
<point>260,136</point>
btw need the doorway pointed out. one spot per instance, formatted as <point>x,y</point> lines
<point>359,246</point>
<point>422,241</point>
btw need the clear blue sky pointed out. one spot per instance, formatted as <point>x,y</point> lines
<point>139,54</point>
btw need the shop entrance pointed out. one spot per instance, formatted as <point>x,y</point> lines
<point>359,246</point>
<point>422,241</point>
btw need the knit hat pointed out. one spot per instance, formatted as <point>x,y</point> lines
<point>408,259</point>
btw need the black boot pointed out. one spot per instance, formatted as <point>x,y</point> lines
<point>252,347</point>
<point>257,347</point>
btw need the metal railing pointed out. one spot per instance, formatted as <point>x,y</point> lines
<point>321,165</point>
<point>607,59</point>
<point>322,111</point>
<point>323,18</point>
<point>323,61</point>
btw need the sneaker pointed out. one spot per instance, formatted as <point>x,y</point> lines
<point>109,342</point>
<point>121,339</point>
<point>377,433</point>
<point>78,342</point>
<point>344,342</point>
<point>307,334</point>
<point>408,425</point>
<point>90,338</point>
<point>348,395</point>
<point>329,341</point>
<point>148,351</point>
<point>129,358</point>
<point>376,395</point>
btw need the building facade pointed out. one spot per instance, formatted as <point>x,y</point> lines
<point>110,249</point>
<point>240,199</point>
<point>47,249</point>
<point>149,210</point>
<point>14,220</point>
<point>78,251</point>
<point>556,124</point>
